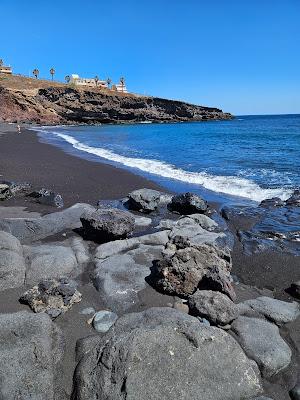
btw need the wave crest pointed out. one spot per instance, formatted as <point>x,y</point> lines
<point>230,185</point>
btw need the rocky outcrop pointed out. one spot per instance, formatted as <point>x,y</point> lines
<point>32,229</point>
<point>123,265</point>
<point>30,353</point>
<point>164,354</point>
<point>12,264</point>
<point>65,105</point>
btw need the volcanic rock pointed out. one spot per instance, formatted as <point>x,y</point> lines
<point>31,229</point>
<point>294,200</point>
<point>262,342</point>
<point>48,261</point>
<point>274,310</point>
<point>53,296</point>
<point>4,191</point>
<point>273,202</point>
<point>162,353</point>
<point>67,105</point>
<point>47,197</point>
<point>104,225</point>
<point>144,200</point>
<point>187,203</point>
<point>12,263</point>
<point>183,270</point>
<point>103,320</point>
<point>30,353</point>
<point>214,306</point>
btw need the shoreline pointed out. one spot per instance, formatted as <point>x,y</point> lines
<point>24,158</point>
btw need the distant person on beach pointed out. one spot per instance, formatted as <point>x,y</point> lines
<point>19,128</point>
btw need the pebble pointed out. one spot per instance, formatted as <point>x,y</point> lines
<point>103,320</point>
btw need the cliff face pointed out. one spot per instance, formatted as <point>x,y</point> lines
<point>66,105</point>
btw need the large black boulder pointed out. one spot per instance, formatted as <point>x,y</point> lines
<point>163,353</point>
<point>294,200</point>
<point>187,203</point>
<point>104,225</point>
<point>143,200</point>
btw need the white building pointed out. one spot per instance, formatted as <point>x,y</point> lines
<point>120,88</point>
<point>91,82</point>
<point>5,69</point>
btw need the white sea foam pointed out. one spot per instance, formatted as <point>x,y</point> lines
<point>231,185</point>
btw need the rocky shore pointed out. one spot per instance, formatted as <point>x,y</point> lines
<point>67,105</point>
<point>143,297</point>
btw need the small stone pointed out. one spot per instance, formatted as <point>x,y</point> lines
<point>103,320</point>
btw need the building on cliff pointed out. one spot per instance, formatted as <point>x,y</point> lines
<point>90,82</point>
<point>5,69</point>
<point>120,87</point>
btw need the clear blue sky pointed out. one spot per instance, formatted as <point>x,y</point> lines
<point>240,55</point>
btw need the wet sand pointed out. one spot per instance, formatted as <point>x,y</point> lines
<point>24,159</point>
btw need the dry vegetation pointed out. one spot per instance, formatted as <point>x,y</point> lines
<point>18,82</point>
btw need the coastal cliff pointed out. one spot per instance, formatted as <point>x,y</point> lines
<point>67,105</point>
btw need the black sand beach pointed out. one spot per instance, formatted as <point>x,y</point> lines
<point>24,158</point>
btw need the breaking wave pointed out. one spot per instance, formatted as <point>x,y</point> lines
<point>230,185</point>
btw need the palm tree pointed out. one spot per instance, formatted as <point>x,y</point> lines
<point>67,78</point>
<point>108,81</point>
<point>36,72</point>
<point>1,62</point>
<point>122,82</point>
<point>96,80</point>
<point>52,72</point>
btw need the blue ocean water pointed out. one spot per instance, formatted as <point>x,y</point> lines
<point>249,158</point>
